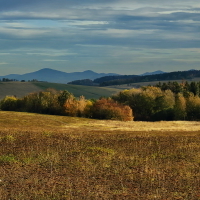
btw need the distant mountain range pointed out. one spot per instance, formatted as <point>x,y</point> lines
<point>128,79</point>
<point>55,76</point>
<point>112,79</point>
<point>102,79</point>
<point>152,73</point>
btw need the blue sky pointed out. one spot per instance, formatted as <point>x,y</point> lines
<point>125,37</point>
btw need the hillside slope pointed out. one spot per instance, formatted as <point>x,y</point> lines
<point>18,89</point>
<point>21,89</point>
<point>89,92</point>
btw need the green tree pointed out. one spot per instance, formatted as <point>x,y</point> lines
<point>194,88</point>
<point>149,103</point>
<point>193,107</point>
<point>180,107</point>
<point>63,96</point>
<point>9,103</point>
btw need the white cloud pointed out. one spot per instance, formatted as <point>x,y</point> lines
<point>3,63</point>
<point>50,52</point>
<point>49,60</point>
<point>24,32</point>
<point>106,33</point>
<point>188,60</point>
<point>4,54</point>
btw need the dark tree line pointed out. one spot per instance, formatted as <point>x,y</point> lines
<point>87,82</point>
<point>119,80</point>
<point>7,80</point>
<point>15,80</point>
<point>185,88</point>
<point>128,79</point>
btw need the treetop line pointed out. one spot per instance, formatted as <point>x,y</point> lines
<point>164,101</point>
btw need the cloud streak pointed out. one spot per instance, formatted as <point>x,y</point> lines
<point>127,37</point>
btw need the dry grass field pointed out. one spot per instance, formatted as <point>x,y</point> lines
<point>45,157</point>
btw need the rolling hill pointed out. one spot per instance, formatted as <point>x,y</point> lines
<point>21,89</point>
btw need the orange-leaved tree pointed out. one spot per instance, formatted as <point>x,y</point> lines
<point>110,109</point>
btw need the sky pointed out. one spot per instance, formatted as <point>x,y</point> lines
<point>106,36</point>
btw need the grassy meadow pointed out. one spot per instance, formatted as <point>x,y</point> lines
<point>18,89</point>
<point>45,157</point>
<point>21,89</point>
<point>89,92</point>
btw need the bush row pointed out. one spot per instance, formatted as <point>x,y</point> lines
<point>153,104</point>
<point>148,104</point>
<point>64,103</point>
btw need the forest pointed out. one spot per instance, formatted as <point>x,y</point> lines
<point>128,79</point>
<point>171,76</point>
<point>166,101</point>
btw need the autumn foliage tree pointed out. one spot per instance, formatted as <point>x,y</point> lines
<point>148,103</point>
<point>110,109</point>
<point>42,102</point>
<point>193,107</point>
<point>180,107</point>
<point>64,103</point>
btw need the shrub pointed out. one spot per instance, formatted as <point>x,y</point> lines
<point>180,107</point>
<point>109,109</point>
<point>43,102</point>
<point>193,107</point>
<point>88,109</point>
<point>82,102</point>
<point>71,106</point>
<point>76,107</point>
<point>9,103</point>
<point>63,96</point>
<point>148,103</point>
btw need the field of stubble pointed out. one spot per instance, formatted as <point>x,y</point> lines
<point>46,157</point>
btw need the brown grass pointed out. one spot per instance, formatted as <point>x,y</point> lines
<point>54,157</point>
